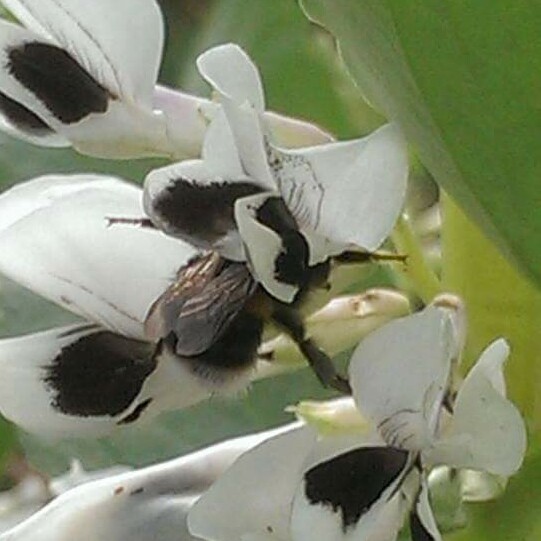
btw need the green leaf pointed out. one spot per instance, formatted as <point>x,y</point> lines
<point>463,80</point>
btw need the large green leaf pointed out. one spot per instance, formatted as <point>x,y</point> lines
<point>463,78</point>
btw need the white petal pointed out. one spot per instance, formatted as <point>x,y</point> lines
<point>486,432</point>
<point>73,101</point>
<point>423,525</point>
<point>383,524</point>
<point>263,247</point>
<point>185,120</point>
<point>189,201</point>
<point>150,503</point>
<point>27,399</point>
<point>83,381</point>
<point>231,72</point>
<point>252,499</point>
<point>122,132</point>
<point>400,374</point>
<point>220,151</point>
<point>106,42</point>
<point>295,133</point>
<point>348,192</point>
<point>77,475</point>
<point>55,240</point>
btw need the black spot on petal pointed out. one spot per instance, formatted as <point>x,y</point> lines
<point>418,530</point>
<point>354,481</point>
<point>22,118</point>
<point>291,266</point>
<point>58,81</point>
<point>99,374</point>
<point>201,213</point>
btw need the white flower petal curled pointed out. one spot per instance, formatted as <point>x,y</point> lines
<point>348,192</point>
<point>233,74</point>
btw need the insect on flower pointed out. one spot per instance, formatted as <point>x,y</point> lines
<point>104,373</point>
<point>272,222</point>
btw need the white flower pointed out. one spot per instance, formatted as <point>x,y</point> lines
<point>84,74</point>
<point>110,370</point>
<point>95,376</point>
<point>300,487</point>
<point>281,210</point>
<point>144,504</point>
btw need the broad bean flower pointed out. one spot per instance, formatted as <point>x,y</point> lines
<point>361,485</point>
<point>88,377</point>
<point>283,211</point>
<point>84,74</point>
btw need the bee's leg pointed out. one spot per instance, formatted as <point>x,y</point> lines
<point>289,320</point>
<point>367,257</point>
<point>137,222</point>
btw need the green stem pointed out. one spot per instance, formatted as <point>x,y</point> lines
<point>416,270</point>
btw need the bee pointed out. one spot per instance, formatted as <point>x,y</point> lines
<point>213,315</point>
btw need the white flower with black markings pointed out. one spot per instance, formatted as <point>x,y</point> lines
<point>91,377</point>
<point>361,486</point>
<point>84,74</point>
<point>283,211</point>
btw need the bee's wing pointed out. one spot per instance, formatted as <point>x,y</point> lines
<point>205,317</point>
<point>199,307</point>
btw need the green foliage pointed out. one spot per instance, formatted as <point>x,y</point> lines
<point>463,80</point>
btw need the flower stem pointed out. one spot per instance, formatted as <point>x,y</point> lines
<point>416,270</point>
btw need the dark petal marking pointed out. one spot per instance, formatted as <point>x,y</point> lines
<point>291,265</point>
<point>354,481</point>
<point>418,530</point>
<point>202,212</point>
<point>22,118</point>
<point>58,81</point>
<point>99,374</point>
